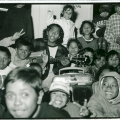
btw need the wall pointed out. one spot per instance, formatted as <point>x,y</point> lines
<point>39,15</point>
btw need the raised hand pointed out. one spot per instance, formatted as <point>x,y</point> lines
<point>84,110</point>
<point>17,35</point>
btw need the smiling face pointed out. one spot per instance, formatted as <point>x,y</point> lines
<point>100,62</point>
<point>53,34</point>
<point>110,88</point>
<point>73,49</point>
<point>23,52</point>
<point>87,29</point>
<point>21,99</point>
<point>4,60</point>
<point>59,99</point>
<point>67,14</point>
<point>113,61</point>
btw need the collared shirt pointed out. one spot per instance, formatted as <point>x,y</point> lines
<point>112,32</point>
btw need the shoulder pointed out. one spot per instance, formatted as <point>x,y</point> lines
<point>6,115</point>
<point>48,111</point>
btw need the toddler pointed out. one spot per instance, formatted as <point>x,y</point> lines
<point>87,40</point>
<point>23,94</point>
<point>66,22</point>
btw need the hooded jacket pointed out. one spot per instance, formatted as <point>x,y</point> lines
<point>103,107</point>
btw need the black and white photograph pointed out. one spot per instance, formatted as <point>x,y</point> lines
<point>60,59</point>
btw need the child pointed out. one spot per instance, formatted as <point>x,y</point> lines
<point>74,48</point>
<point>106,102</point>
<point>65,22</point>
<point>113,59</point>
<point>99,61</point>
<point>60,97</point>
<point>87,40</point>
<point>23,96</point>
<point>100,20</point>
<point>88,52</point>
<point>101,72</point>
<point>5,58</point>
<point>112,32</point>
<point>51,42</point>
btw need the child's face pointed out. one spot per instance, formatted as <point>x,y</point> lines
<point>73,49</point>
<point>104,14</point>
<point>117,9</point>
<point>59,99</point>
<point>100,62</point>
<point>23,52</point>
<point>113,61</point>
<point>53,34</point>
<point>110,87</point>
<point>67,13</point>
<point>90,56</point>
<point>21,99</point>
<point>87,29</point>
<point>4,60</point>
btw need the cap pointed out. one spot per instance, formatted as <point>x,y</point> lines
<point>60,86</point>
<point>105,8</point>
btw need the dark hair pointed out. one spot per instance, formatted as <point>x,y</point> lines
<point>110,68</point>
<point>99,53</point>
<point>70,7</point>
<point>60,39</point>
<point>105,8</point>
<point>34,65</point>
<point>112,53</point>
<point>22,41</point>
<point>76,41</point>
<point>92,27</point>
<point>6,50</point>
<point>27,75</point>
<point>87,49</point>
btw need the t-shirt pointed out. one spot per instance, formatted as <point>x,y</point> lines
<point>46,111</point>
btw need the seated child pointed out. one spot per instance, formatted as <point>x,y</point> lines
<point>87,40</point>
<point>60,98</point>
<point>23,94</point>
<point>5,58</point>
<point>57,53</point>
<point>74,48</point>
<point>19,55</point>
<point>113,59</point>
<point>99,61</point>
<point>101,72</point>
<point>106,102</point>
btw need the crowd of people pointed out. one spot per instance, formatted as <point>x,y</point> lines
<point>27,85</point>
